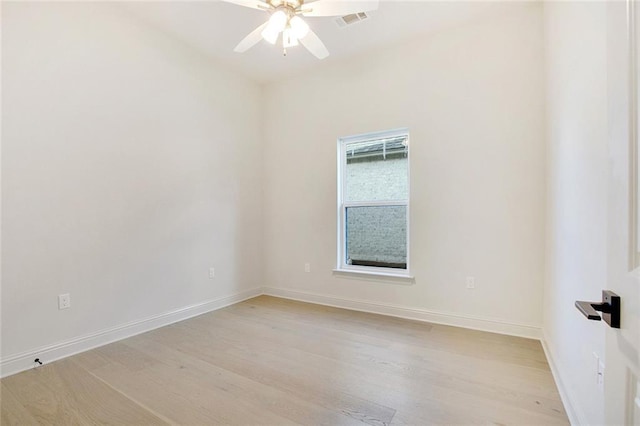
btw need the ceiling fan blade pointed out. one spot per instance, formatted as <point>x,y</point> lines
<point>253,4</point>
<point>338,7</point>
<point>314,45</point>
<point>251,40</point>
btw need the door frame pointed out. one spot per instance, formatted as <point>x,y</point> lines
<point>634,86</point>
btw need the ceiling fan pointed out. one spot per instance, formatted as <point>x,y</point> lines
<point>287,18</point>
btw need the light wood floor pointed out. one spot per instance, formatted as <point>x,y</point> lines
<point>277,362</point>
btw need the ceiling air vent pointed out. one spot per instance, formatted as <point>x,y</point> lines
<point>354,18</point>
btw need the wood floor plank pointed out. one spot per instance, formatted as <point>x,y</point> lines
<point>274,361</point>
<point>398,358</point>
<point>398,388</point>
<point>510,349</point>
<point>13,412</point>
<point>64,393</point>
<point>250,361</point>
<point>174,392</point>
<point>285,404</point>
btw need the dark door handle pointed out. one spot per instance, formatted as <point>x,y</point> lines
<point>587,310</point>
<point>610,308</point>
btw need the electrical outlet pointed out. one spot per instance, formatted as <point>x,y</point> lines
<point>307,267</point>
<point>64,301</point>
<point>212,273</point>
<point>471,282</point>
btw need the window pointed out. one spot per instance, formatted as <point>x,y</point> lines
<point>373,203</point>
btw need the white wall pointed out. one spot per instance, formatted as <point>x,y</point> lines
<point>130,165</point>
<point>472,98</point>
<point>575,59</point>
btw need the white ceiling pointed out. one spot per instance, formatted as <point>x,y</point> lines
<point>215,27</point>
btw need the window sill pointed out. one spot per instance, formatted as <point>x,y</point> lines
<point>375,275</point>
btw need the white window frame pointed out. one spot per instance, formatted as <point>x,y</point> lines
<point>342,265</point>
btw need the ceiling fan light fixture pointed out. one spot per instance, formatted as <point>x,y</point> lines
<point>277,23</point>
<point>278,20</point>
<point>269,36</point>
<point>299,27</point>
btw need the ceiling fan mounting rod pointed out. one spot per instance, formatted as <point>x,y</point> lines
<point>287,9</point>
<point>292,6</point>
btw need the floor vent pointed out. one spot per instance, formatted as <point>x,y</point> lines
<point>354,18</point>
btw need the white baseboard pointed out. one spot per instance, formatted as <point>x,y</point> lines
<point>24,361</point>
<point>482,324</point>
<point>576,417</point>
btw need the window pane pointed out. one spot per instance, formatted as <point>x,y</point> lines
<point>377,236</point>
<point>377,170</point>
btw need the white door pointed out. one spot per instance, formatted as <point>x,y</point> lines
<point>622,356</point>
